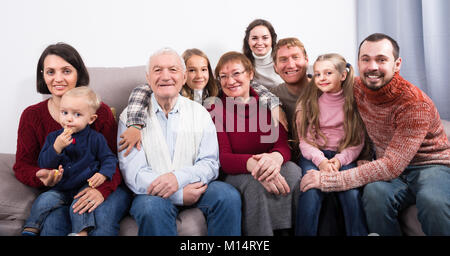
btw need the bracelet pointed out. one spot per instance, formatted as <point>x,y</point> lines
<point>135,126</point>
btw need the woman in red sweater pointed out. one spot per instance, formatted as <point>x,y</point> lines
<point>60,68</point>
<point>253,152</point>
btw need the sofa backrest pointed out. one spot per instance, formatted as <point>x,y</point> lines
<point>114,85</point>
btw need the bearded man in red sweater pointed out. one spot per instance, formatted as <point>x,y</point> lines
<point>412,164</point>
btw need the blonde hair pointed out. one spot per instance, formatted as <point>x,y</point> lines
<point>289,42</point>
<point>91,97</point>
<point>309,108</point>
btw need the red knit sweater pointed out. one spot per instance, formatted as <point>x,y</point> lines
<point>236,146</point>
<point>34,126</point>
<point>406,129</point>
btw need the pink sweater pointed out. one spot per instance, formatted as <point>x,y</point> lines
<point>331,107</point>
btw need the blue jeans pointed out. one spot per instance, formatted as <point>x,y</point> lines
<point>107,216</point>
<point>310,203</point>
<point>221,204</point>
<point>53,199</point>
<point>427,186</point>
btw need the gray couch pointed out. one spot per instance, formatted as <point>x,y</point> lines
<point>114,86</point>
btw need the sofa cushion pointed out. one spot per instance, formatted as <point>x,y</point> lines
<point>114,85</point>
<point>15,198</point>
<point>190,222</point>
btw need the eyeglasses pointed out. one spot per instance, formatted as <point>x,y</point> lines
<point>234,75</point>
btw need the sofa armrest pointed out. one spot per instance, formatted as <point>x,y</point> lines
<point>16,198</point>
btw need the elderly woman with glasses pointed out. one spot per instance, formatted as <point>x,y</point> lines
<point>253,152</point>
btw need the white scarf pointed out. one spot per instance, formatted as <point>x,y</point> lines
<point>189,135</point>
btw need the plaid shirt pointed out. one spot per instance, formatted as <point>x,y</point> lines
<point>140,97</point>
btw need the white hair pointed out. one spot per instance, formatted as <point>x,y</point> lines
<point>165,50</point>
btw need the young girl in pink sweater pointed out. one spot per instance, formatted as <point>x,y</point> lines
<point>331,137</point>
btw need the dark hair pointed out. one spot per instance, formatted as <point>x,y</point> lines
<point>258,22</point>
<point>69,54</point>
<point>378,37</point>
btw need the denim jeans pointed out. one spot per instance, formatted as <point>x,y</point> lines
<point>310,203</point>
<point>221,204</point>
<point>53,199</point>
<point>427,186</point>
<point>107,216</point>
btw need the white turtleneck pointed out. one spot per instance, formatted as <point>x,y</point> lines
<point>198,95</point>
<point>265,74</point>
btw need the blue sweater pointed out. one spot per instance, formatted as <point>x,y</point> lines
<point>88,154</point>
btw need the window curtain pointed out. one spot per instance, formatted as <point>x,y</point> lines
<point>422,30</point>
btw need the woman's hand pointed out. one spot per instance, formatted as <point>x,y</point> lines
<point>50,177</point>
<point>268,165</point>
<point>277,186</point>
<point>130,137</point>
<point>88,199</point>
<point>279,116</point>
<point>310,180</point>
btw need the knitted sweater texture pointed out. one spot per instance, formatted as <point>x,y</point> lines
<point>34,126</point>
<point>406,129</point>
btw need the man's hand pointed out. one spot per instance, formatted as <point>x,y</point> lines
<point>310,180</point>
<point>192,193</point>
<point>163,186</point>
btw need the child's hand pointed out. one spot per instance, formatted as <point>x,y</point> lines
<point>336,163</point>
<point>130,137</point>
<point>96,180</point>
<point>327,166</point>
<point>63,140</point>
<point>50,177</point>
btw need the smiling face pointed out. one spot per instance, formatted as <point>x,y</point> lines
<point>59,75</point>
<point>260,40</point>
<point>197,72</point>
<point>376,63</point>
<point>327,78</point>
<point>291,64</point>
<point>235,80</point>
<point>166,75</point>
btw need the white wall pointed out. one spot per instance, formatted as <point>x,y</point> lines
<point>124,33</point>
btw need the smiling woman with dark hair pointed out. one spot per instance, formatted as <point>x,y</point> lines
<point>60,68</point>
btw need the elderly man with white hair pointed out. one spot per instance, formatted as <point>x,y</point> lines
<point>179,161</point>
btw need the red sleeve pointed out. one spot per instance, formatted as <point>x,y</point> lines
<point>106,125</point>
<point>281,144</point>
<point>28,148</point>
<point>230,162</point>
